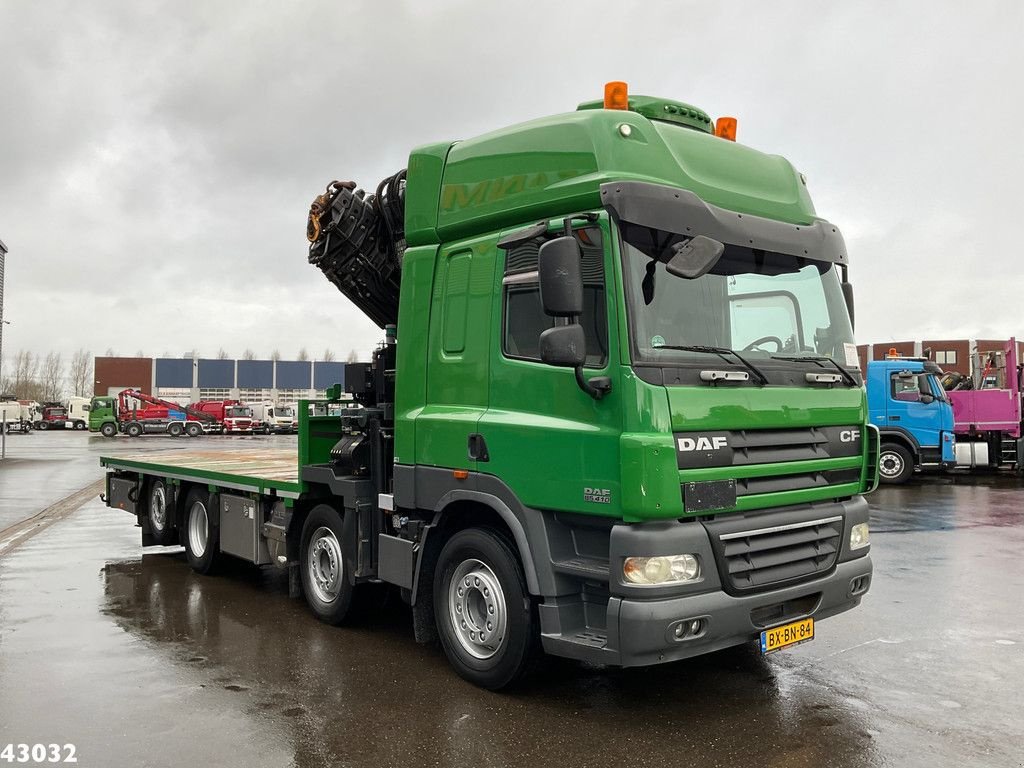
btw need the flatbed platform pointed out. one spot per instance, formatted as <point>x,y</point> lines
<point>246,469</point>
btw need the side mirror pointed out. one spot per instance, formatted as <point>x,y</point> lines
<point>561,277</point>
<point>564,346</point>
<point>695,257</point>
<point>848,296</point>
<point>926,398</point>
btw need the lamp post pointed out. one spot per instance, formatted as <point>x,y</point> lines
<point>3,258</point>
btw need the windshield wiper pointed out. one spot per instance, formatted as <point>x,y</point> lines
<point>822,359</point>
<point>721,352</point>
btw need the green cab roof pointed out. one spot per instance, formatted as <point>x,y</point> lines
<point>555,166</point>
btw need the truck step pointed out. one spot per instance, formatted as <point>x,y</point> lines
<point>594,638</point>
<point>583,567</point>
<point>590,645</point>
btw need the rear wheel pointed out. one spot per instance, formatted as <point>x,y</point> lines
<point>193,429</point>
<point>485,618</point>
<point>159,514</point>
<point>174,429</point>
<point>323,566</point>
<point>202,533</point>
<point>895,464</point>
<point>109,429</point>
<point>42,426</point>
<point>134,429</point>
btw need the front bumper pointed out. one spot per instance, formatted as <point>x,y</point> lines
<point>643,631</point>
<point>738,594</point>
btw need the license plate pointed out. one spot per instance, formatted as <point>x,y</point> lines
<point>788,634</point>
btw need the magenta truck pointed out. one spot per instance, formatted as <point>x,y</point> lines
<point>987,411</point>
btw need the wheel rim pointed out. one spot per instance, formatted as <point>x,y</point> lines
<point>890,464</point>
<point>325,565</point>
<point>198,528</point>
<point>476,607</point>
<point>158,508</point>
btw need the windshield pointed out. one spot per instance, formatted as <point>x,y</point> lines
<point>283,413</point>
<point>238,412</point>
<point>767,305</point>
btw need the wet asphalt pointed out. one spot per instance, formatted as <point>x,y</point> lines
<point>137,661</point>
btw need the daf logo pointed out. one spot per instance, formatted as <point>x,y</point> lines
<point>849,435</point>
<point>702,443</point>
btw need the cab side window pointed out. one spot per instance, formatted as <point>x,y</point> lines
<point>523,317</point>
<point>907,388</point>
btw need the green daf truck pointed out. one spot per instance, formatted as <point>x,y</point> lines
<point>616,415</point>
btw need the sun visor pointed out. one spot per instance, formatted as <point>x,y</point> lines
<point>678,210</point>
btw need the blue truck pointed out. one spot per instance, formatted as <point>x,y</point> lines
<point>908,404</point>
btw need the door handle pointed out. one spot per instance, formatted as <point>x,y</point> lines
<point>894,418</point>
<point>478,448</point>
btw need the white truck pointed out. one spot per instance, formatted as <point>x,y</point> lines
<point>78,412</point>
<point>268,417</point>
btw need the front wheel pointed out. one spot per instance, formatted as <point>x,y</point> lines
<point>79,425</point>
<point>895,464</point>
<point>109,429</point>
<point>42,426</point>
<point>485,618</point>
<point>323,566</point>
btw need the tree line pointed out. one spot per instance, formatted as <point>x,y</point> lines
<point>50,378</point>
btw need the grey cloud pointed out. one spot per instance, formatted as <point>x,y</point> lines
<point>157,158</point>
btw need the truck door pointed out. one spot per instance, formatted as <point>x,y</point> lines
<point>550,442</point>
<point>910,411</point>
<point>458,347</point>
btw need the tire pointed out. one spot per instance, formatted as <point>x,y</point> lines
<point>193,429</point>
<point>159,514</point>
<point>134,429</point>
<point>895,464</point>
<point>79,425</point>
<point>42,426</point>
<point>324,568</point>
<point>109,429</point>
<point>202,534</point>
<point>485,618</point>
<point>174,429</point>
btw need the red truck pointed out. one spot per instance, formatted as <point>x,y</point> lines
<point>230,416</point>
<point>54,416</point>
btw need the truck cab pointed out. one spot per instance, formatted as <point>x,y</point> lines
<point>103,415</point>
<point>50,416</point>
<point>908,404</point>
<point>270,418</point>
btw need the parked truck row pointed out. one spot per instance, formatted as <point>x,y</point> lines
<point>136,413</point>
<point>27,415</point>
<point>931,420</point>
<point>616,415</point>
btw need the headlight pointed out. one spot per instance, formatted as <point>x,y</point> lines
<point>859,536</point>
<point>667,569</point>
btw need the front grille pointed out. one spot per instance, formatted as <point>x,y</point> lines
<point>745,486</point>
<point>768,557</point>
<point>746,447</point>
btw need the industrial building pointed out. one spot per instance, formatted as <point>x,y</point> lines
<point>949,354</point>
<point>191,379</point>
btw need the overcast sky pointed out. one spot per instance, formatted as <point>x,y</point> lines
<point>157,160</point>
